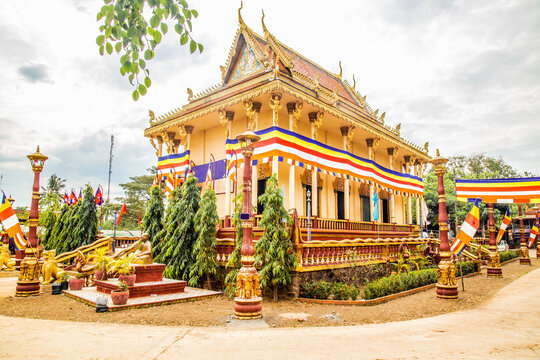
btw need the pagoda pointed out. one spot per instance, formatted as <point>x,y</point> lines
<point>319,136</point>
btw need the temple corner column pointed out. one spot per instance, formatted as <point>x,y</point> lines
<point>494,269</point>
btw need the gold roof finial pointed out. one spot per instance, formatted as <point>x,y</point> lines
<point>353,83</point>
<point>266,32</point>
<point>240,20</point>
<point>340,70</point>
<point>437,152</point>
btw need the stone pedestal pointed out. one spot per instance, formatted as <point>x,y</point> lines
<point>165,286</point>
<point>149,272</point>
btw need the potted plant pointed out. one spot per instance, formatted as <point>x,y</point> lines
<point>124,268</point>
<point>77,282</point>
<point>101,261</point>
<point>120,296</point>
<point>64,280</point>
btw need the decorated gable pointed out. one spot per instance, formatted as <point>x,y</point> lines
<point>246,64</point>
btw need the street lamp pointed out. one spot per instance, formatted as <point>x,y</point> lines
<point>28,283</point>
<point>248,300</point>
<point>446,282</point>
<point>308,195</point>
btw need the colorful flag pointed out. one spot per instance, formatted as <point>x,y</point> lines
<point>80,195</point>
<point>504,225</point>
<point>11,223</point>
<point>139,221</point>
<point>122,212</point>
<point>532,237</point>
<point>99,197</point>
<point>156,181</point>
<point>209,175</point>
<point>72,198</point>
<point>467,230</point>
<point>376,206</point>
<point>169,185</point>
<point>66,198</point>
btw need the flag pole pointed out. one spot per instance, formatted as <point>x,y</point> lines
<point>114,234</point>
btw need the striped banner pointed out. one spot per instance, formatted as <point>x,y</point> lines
<point>301,151</point>
<point>502,191</point>
<point>467,230</point>
<point>177,162</point>
<point>532,236</point>
<point>11,223</point>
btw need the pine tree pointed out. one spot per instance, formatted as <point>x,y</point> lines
<point>153,218</point>
<point>234,262</point>
<point>177,247</point>
<point>86,230</point>
<point>55,241</point>
<point>204,249</point>
<point>50,220</point>
<point>274,251</point>
<point>172,218</point>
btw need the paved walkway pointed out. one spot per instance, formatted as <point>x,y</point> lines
<point>506,327</point>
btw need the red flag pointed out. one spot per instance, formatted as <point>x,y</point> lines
<point>122,212</point>
<point>139,222</point>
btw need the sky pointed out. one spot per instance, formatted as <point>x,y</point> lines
<point>463,75</point>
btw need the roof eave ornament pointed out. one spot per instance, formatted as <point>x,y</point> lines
<point>266,32</point>
<point>353,83</point>
<point>340,71</point>
<point>240,20</point>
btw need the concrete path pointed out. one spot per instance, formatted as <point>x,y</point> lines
<point>506,327</point>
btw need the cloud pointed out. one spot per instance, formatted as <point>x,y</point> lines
<point>35,73</point>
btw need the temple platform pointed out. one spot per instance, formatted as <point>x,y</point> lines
<point>89,295</point>
<point>144,289</point>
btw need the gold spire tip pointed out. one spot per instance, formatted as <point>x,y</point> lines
<point>240,20</point>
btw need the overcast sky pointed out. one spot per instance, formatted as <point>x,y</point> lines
<point>463,75</point>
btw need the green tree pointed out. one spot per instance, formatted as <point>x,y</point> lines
<point>172,222</point>
<point>50,194</point>
<point>86,230</point>
<point>153,216</point>
<point>234,263</point>
<point>204,250</point>
<point>137,195</point>
<point>134,28</point>
<point>65,240</point>
<point>177,248</point>
<point>274,250</point>
<point>55,240</point>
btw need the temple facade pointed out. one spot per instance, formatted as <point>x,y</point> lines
<point>318,134</point>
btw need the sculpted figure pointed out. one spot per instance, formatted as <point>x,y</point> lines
<point>5,258</point>
<point>240,290</point>
<point>86,270</point>
<point>144,253</point>
<point>50,269</point>
<point>249,287</point>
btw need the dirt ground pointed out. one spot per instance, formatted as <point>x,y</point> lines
<point>285,313</point>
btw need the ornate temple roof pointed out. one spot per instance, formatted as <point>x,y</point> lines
<point>258,64</point>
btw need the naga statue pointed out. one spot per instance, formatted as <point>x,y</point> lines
<point>85,269</point>
<point>50,269</point>
<point>5,258</point>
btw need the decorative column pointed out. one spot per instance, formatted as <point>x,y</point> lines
<point>248,300</point>
<point>419,209</point>
<point>446,282</point>
<point>494,269</point>
<point>391,154</point>
<point>346,195</point>
<point>249,106</point>
<point>28,283</point>
<point>275,105</point>
<point>524,259</point>
<point>407,159</point>
<point>314,186</point>
<point>226,118</point>
<point>160,145</point>
<point>189,132</point>
<point>294,110</point>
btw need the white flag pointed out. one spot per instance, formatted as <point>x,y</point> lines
<point>425,211</point>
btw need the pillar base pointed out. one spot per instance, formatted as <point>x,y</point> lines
<point>248,309</point>
<point>447,291</point>
<point>524,261</point>
<point>494,273</point>
<point>27,288</point>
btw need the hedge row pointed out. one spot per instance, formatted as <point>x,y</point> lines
<point>508,255</point>
<point>323,289</point>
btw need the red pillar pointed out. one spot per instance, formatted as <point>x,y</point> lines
<point>524,259</point>
<point>494,269</point>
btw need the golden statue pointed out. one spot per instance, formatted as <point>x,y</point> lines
<point>144,252</point>
<point>5,258</point>
<point>87,271</point>
<point>50,269</point>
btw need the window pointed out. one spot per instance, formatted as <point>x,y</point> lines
<point>366,208</point>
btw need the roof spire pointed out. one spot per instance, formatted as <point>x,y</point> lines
<point>240,20</point>
<point>340,71</point>
<point>266,32</point>
<point>353,83</point>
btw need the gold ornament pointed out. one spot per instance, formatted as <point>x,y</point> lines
<point>50,270</point>
<point>5,259</point>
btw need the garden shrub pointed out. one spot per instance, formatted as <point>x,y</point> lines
<point>508,255</point>
<point>469,267</point>
<point>323,289</point>
<point>340,291</point>
<point>398,283</point>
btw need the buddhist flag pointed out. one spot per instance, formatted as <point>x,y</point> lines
<point>156,181</point>
<point>376,206</point>
<point>534,231</point>
<point>80,195</point>
<point>11,223</point>
<point>169,185</point>
<point>122,212</point>
<point>209,175</point>
<point>504,225</point>
<point>467,230</point>
<point>66,198</point>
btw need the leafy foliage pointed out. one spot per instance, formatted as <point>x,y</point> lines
<point>234,262</point>
<point>86,229</point>
<point>153,217</point>
<point>176,249</point>
<point>172,222</point>
<point>274,251</point>
<point>322,290</point>
<point>204,250</point>
<point>134,28</point>
<point>55,239</point>
<point>398,283</point>
<point>508,255</point>
<point>137,195</point>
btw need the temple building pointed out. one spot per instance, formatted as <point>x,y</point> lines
<point>318,134</point>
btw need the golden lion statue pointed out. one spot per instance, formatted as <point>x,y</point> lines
<point>50,269</point>
<point>5,258</point>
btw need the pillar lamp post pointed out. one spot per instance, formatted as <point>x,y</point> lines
<point>248,300</point>
<point>446,282</point>
<point>524,259</point>
<point>494,269</point>
<point>28,283</point>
